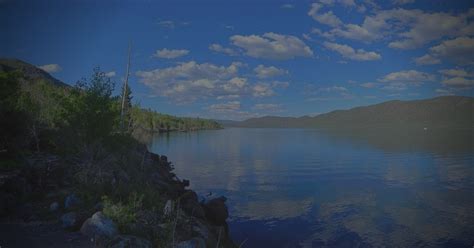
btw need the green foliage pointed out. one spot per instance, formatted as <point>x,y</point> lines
<point>13,121</point>
<point>91,111</point>
<point>123,213</point>
<point>156,122</point>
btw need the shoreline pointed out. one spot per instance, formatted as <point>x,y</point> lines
<point>26,206</point>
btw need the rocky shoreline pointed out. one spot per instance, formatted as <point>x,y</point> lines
<point>47,191</point>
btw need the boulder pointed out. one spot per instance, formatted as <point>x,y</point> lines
<point>128,241</point>
<point>99,226</point>
<point>216,210</point>
<point>190,204</point>
<point>71,201</point>
<point>54,207</point>
<point>168,209</point>
<point>202,230</point>
<point>164,158</point>
<point>192,243</point>
<point>69,220</point>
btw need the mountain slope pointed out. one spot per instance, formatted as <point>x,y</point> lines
<point>29,71</point>
<point>446,111</point>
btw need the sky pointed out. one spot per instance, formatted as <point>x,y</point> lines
<point>238,59</point>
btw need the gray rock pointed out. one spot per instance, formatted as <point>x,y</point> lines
<point>54,207</point>
<point>128,241</point>
<point>216,210</point>
<point>202,230</point>
<point>190,204</point>
<point>99,226</point>
<point>71,201</point>
<point>69,220</point>
<point>192,243</point>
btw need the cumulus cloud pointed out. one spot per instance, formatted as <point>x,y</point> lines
<point>457,78</point>
<point>407,29</point>
<point>369,85</point>
<point>225,107</point>
<point>408,76</point>
<point>327,18</point>
<point>402,79</point>
<point>110,74</point>
<point>190,81</point>
<point>268,107</point>
<point>456,73</point>
<point>458,82</point>
<point>445,92</point>
<point>50,68</point>
<point>402,2</point>
<point>262,90</point>
<point>220,49</point>
<point>349,52</point>
<point>166,53</point>
<point>268,71</point>
<point>167,24</point>
<point>315,93</point>
<point>427,59</point>
<point>272,46</point>
<point>187,82</point>
<point>458,50</point>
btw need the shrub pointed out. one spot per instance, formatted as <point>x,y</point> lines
<point>91,111</point>
<point>123,213</point>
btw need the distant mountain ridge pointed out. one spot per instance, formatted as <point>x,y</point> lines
<point>438,112</point>
<point>30,72</point>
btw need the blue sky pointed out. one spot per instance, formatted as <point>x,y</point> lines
<point>240,59</point>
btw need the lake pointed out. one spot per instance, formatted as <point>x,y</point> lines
<point>316,188</point>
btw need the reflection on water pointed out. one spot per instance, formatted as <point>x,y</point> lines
<point>314,188</point>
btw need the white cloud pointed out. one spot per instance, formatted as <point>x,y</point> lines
<point>427,59</point>
<point>263,90</point>
<point>446,92</point>
<point>349,52</point>
<point>402,79</point>
<point>456,73</point>
<point>402,2</point>
<point>268,72</point>
<point>50,68</point>
<point>187,82</point>
<point>167,24</point>
<point>408,76</point>
<point>190,81</point>
<point>220,49</point>
<point>269,107</point>
<point>327,18</point>
<point>280,84</point>
<point>458,82</point>
<point>459,50</point>
<point>369,85</point>
<point>335,92</point>
<point>110,74</point>
<point>272,46</point>
<point>287,6</point>
<point>225,107</point>
<point>166,53</point>
<point>406,29</point>
<point>334,89</point>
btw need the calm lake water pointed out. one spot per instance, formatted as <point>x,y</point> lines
<point>314,188</point>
